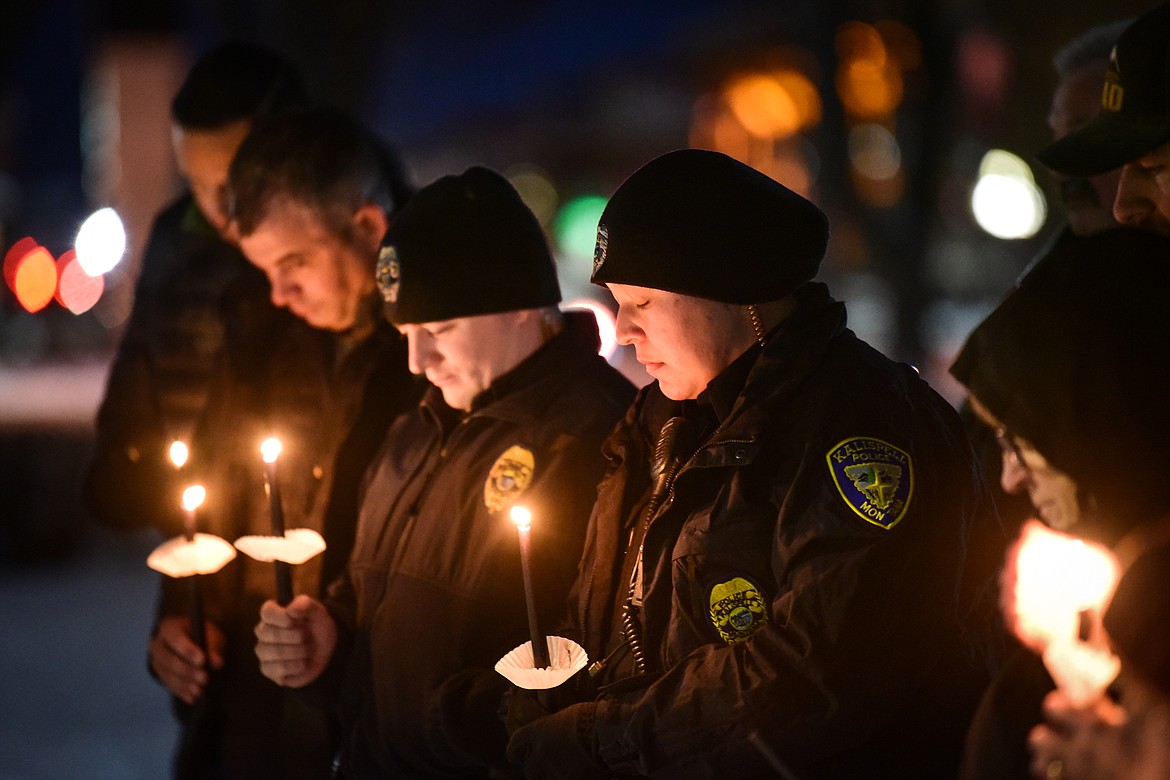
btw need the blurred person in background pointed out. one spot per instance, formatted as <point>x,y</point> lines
<point>405,642</point>
<point>1080,68</point>
<point>194,287</point>
<point>310,198</point>
<point>1131,130</point>
<point>1068,371</point>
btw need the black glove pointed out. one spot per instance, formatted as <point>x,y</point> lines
<point>561,745</point>
<point>465,717</point>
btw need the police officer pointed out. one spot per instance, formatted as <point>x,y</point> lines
<point>314,192</point>
<point>518,406</point>
<point>192,282</point>
<point>775,567</point>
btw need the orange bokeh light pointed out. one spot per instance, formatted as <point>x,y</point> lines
<point>869,89</point>
<point>13,257</point>
<point>873,58</point>
<point>35,279</point>
<point>774,105</point>
<point>77,291</point>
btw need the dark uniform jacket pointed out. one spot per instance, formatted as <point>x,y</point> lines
<point>804,579</point>
<point>330,401</point>
<point>433,594</point>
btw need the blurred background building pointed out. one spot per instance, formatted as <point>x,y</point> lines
<point>912,123</point>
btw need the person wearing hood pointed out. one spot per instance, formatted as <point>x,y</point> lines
<point>1069,371</point>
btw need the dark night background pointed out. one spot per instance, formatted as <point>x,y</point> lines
<point>581,92</point>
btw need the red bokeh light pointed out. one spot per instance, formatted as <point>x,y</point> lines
<point>13,257</point>
<point>77,291</point>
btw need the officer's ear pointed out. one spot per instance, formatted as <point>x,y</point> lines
<point>369,227</point>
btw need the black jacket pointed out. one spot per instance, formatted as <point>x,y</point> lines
<point>330,402</point>
<point>433,596</point>
<point>805,573</point>
<point>192,289</point>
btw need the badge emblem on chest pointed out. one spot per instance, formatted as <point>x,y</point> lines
<point>508,478</point>
<point>737,609</point>
<point>875,478</point>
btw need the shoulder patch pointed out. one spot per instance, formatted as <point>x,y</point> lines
<point>737,609</point>
<point>875,478</point>
<point>508,478</point>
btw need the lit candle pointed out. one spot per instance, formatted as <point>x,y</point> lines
<point>1060,583</point>
<point>270,451</point>
<point>522,517</point>
<point>192,498</point>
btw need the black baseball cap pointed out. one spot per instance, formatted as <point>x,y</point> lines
<point>1135,104</point>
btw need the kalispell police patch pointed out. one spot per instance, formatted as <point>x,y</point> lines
<point>875,478</point>
<point>508,478</point>
<point>737,609</point>
<point>387,273</point>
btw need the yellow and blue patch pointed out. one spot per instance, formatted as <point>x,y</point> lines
<point>737,609</point>
<point>875,478</point>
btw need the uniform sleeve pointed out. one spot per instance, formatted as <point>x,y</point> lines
<point>862,622</point>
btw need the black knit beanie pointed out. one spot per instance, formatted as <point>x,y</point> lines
<point>700,223</point>
<point>463,246</point>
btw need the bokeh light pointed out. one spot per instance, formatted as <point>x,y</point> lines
<point>576,225</point>
<point>774,105</point>
<point>101,242</point>
<point>869,82</point>
<point>874,152</point>
<point>13,257</point>
<point>1006,202</point>
<point>536,189</point>
<point>77,291</point>
<point>35,279</point>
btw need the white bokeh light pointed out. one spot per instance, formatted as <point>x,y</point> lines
<point>1006,201</point>
<point>101,242</point>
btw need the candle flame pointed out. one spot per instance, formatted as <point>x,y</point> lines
<point>270,449</point>
<point>521,516</point>
<point>193,497</point>
<point>1057,576</point>
<point>178,453</point>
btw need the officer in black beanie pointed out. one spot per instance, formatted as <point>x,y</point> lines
<point>776,573</point>
<point>520,400</point>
